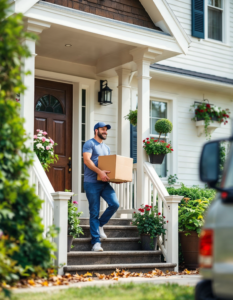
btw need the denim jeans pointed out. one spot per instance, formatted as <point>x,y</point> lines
<point>94,191</point>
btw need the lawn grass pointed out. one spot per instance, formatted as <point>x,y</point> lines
<point>129,291</point>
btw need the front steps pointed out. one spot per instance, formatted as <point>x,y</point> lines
<point>122,250</point>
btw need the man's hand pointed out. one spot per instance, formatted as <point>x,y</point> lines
<point>103,175</point>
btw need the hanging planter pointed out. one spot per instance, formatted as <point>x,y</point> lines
<point>209,117</point>
<point>157,149</point>
<point>156,158</point>
<point>132,117</point>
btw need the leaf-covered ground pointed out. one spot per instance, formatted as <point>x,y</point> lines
<point>115,292</point>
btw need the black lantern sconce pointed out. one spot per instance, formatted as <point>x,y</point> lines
<point>105,94</point>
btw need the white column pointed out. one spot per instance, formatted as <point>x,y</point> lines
<point>172,234</point>
<point>143,58</point>
<point>61,221</point>
<point>123,126</point>
<point>27,99</point>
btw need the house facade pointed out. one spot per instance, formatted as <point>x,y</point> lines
<point>159,56</point>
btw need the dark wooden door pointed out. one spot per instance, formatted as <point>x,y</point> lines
<point>53,114</point>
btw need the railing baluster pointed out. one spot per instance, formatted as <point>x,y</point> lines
<point>160,204</point>
<point>127,195</point>
<point>149,192</point>
<point>154,196</point>
<point>135,188</point>
<point>131,195</point>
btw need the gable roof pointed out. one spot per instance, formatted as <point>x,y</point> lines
<point>158,10</point>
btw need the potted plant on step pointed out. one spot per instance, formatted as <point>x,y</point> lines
<point>150,225</point>
<point>190,223</point>
<point>74,229</point>
<point>156,148</point>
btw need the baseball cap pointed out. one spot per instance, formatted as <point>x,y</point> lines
<point>101,124</point>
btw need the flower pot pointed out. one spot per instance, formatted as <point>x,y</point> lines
<point>146,242</point>
<point>157,158</point>
<point>69,242</point>
<point>214,118</point>
<point>190,249</point>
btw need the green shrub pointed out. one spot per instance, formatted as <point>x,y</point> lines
<point>25,248</point>
<point>193,193</point>
<point>74,227</point>
<point>191,214</point>
<point>163,126</point>
<point>132,117</point>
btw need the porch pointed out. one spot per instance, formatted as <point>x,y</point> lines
<point>75,51</point>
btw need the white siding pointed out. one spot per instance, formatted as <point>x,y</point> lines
<point>204,56</point>
<point>188,145</point>
<point>108,114</point>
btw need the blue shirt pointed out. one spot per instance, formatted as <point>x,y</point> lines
<point>96,149</point>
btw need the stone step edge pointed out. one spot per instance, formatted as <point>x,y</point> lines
<point>113,227</point>
<point>128,219</point>
<point>127,239</point>
<point>118,266</point>
<point>114,253</point>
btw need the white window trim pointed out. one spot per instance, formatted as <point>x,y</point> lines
<point>171,99</point>
<point>225,25</point>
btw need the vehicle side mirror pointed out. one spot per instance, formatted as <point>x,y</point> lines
<point>209,164</point>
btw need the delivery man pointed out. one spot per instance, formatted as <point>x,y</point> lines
<point>94,189</point>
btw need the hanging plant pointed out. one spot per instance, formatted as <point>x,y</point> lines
<point>132,117</point>
<point>210,113</point>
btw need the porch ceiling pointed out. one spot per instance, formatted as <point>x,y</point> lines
<point>86,49</point>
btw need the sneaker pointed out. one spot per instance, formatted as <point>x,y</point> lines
<point>102,234</point>
<point>97,247</point>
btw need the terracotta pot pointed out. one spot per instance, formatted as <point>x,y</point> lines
<point>146,242</point>
<point>157,159</point>
<point>69,242</point>
<point>190,249</point>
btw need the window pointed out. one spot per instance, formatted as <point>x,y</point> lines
<point>83,133</point>
<point>49,103</point>
<point>158,110</point>
<point>215,19</point>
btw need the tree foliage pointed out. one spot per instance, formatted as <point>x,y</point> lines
<point>23,249</point>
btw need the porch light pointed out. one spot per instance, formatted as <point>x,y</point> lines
<point>105,94</point>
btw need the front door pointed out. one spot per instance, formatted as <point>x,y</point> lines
<point>53,114</point>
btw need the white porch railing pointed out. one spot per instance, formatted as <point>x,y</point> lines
<point>54,209</point>
<point>43,189</point>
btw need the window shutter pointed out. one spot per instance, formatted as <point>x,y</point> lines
<point>133,143</point>
<point>198,18</point>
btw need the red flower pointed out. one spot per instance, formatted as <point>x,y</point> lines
<point>135,212</point>
<point>159,214</point>
<point>152,138</point>
<point>148,209</point>
<point>147,139</point>
<point>167,221</point>
<point>155,141</point>
<point>144,141</point>
<point>226,121</point>
<point>162,141</point>
<point>147,205</point>
<point>142,210</point>
<point>150,206</point>
<point>228,116</point>
<point>208,105</point>
<point>167,146</point>
<point>164,217</point>
<point>172,150</point>
<point>148,142</point>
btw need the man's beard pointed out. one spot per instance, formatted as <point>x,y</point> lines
<point>101,136</point>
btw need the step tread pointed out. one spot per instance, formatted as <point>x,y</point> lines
<point>122,227</point>
<point>116,239</point>
<point>113,253</point>
<point>117,219</point>
<point>118,266</point>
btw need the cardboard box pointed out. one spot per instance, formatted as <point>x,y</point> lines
<point>121,167</point>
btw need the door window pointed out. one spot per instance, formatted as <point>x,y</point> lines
<point>49,103</point>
